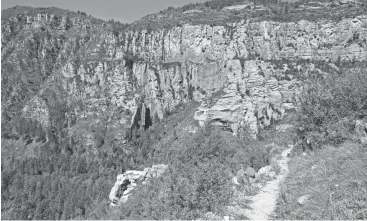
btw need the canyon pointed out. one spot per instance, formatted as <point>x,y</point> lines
<point>244,74</point>
<point>166,103</point>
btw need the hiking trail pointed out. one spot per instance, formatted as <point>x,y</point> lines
<point>264,203</point>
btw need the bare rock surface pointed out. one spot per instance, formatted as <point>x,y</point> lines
<point>120,79</point>
<point>126,182</point>
<point>303,199</point>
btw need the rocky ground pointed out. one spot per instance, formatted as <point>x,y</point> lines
<point>263,204</point>
<point>257,200</point>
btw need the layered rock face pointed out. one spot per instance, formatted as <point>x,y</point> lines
<point>112,83</point>
<point>193,62</point>
<point>240,60</point>
<point>126,182</point>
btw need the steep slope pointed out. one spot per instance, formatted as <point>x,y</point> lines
<point>118,77</point>
<point>86,90</point>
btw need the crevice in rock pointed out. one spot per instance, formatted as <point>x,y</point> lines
<point>135,123</point>
<point>148,120</point>
<point>142,120</point>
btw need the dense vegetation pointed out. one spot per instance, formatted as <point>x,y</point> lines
<point>44,186</point>
<point>198,179</point>
<point>329,106</point>
<point>41,177</point>
<point>44,175</point>
<point>332,178</point>
<point>58,184</point>
<point>211,13</point>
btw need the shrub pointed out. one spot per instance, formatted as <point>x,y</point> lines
<point>337,185</point>
<point>328,107</point>
<point>198,180</point>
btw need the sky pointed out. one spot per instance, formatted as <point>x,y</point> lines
<point>120,10</point>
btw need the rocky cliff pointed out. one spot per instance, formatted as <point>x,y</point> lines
<point>98,85</point>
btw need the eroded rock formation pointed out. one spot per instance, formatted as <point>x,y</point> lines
<point>116,82</point>
<point>126,182</point>
<point>193,62</point>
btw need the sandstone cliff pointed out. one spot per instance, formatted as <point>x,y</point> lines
<point>111,83</point>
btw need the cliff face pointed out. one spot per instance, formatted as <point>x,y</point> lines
<point>103,84</point>
<point>238,59</point>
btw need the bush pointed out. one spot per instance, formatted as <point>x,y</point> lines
<point>183,193</point>
<point>198,179</point>
<point>328,107</point>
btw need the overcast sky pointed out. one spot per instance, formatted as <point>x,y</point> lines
<point>121,10</point>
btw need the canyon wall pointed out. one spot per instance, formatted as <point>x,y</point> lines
<point>112,83</point>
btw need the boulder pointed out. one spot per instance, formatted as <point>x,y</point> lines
<point>252,180</point>
<point>304,199</point>
<point>212,216</point>
<point>247,176</point>
<point>235,181</point>
<point>250,172</point>
<point>264,171</point>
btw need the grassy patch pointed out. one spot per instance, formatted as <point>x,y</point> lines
<point>335,179</point>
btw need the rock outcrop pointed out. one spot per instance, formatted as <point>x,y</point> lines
<point>117,82</point>
<point>194,62</point>
<point>126,182</point>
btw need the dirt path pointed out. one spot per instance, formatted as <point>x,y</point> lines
<point>264,203</point>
